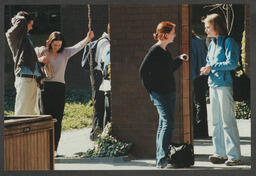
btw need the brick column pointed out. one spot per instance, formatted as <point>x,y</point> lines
<point>134,117</point>
<point>186,72</point>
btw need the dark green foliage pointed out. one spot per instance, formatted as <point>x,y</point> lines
<point>107,146</point>
<point>9,100</point>
<point>77,96</point>
<point>242,110</point>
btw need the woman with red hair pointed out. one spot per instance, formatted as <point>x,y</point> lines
<point>156,73</point>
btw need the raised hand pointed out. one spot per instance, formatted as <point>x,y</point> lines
<point>90,35</point>
<point>43,59</point>
<point>184,57</point>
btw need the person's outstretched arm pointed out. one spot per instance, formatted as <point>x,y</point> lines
<point>77,47</point>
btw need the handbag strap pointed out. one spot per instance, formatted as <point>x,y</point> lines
<point>175,146</point>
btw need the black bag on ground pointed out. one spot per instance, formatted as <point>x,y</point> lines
<point>241,82</point>
<point>181,155</point>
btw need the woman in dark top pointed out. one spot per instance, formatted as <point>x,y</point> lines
<point>156,73</point>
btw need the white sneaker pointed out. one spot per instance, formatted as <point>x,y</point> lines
<point>233,162</point>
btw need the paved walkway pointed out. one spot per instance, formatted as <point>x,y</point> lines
<point>75,141</point>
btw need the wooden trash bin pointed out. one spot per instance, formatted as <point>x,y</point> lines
<point>29,142</point>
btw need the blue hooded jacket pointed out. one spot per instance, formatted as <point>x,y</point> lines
<point>222,63</point>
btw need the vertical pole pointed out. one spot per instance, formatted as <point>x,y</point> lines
<point>185,76</point>
<point>91,61</point>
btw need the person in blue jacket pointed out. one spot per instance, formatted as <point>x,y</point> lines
<point>200,87</point>
<point>225,134</point>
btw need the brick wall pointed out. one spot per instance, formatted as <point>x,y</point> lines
<point>134,118</point>
<point>74,24</point>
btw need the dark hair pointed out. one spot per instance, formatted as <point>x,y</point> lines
<point>162,29</point>
<point>27,16</point>
<point>219,24</point>
<point>56,35</point>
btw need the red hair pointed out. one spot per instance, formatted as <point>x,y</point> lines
<point>162,29</point>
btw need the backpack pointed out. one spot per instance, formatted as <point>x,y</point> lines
<point>181,155</point>
<point>241,83</point>
<point>86,55</point>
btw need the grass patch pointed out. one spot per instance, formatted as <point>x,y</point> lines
<point>78,112</point>
<point>77,115</point>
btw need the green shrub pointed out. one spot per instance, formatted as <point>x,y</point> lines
<point>242,110</point>
<point>106,146</point>
<point>77,96</point>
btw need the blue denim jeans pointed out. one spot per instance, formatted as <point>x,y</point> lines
<point>165,105</point>
<point>225,137</point>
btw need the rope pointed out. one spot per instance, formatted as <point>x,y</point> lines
<point>89,17</point>
<point>91,61</point>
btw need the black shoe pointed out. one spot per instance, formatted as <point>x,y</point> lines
<point>57,155</point>
<point>94,134</point>
<point>201,137</point>
<point>92,137</point>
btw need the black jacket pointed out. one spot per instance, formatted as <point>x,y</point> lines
<point>156,70</point>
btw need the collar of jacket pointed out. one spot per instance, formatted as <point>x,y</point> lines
<point>105,35</point>
<point>219,39</point>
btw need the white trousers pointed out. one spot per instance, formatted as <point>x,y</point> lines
<point>226,142</point>
<point>26,95</point>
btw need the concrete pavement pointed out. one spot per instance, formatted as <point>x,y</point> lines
<point>75,141</point>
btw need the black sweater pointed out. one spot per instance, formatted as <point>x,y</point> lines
<point>156,70</point>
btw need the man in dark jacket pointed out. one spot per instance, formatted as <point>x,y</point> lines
<point>26,67</point>
<point>100,118</point>
<point>199,52</point>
